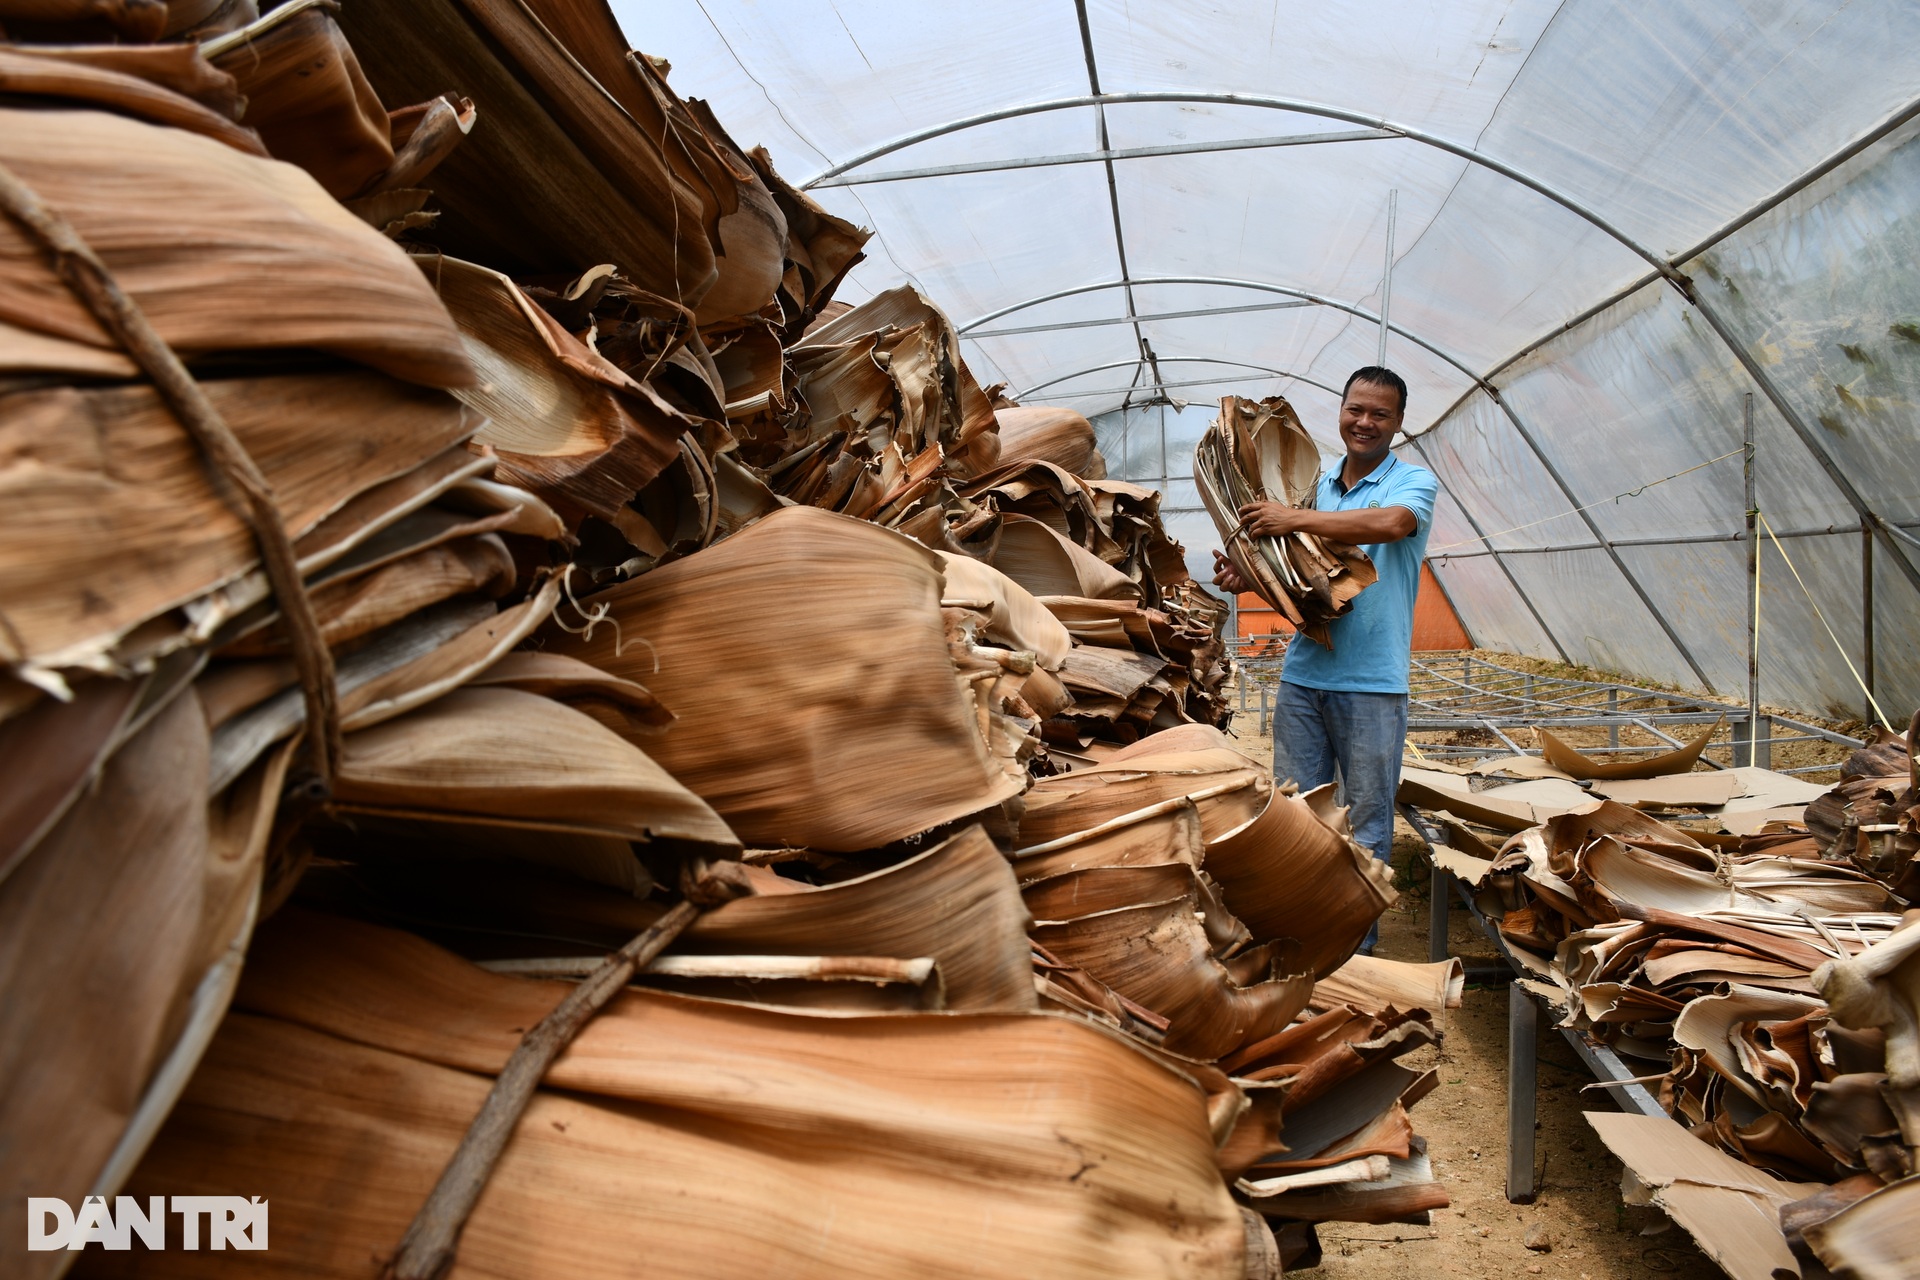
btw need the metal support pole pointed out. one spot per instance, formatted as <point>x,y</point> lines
<point>1613,708</point>
<point>1566,491</point>
<point>1386,276</point>
<point>1506,569</point>
<point>1439,899</point>
<point>1866,614</point>
<point>1523,1028</point>
<point>1752,727</point>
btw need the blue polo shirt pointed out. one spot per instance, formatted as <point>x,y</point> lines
<point>1371,644</point>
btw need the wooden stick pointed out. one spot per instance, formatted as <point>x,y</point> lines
<point>427,1250</point>
<point>234,475</point>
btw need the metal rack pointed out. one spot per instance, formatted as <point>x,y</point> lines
<point>1258,662</point>
<point>1450,693</point>
<point>1523,1023</point>
<point>1453,692</point>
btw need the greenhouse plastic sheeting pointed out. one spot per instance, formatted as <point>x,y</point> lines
<point>1608,141</point>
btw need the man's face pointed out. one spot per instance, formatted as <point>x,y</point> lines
<point>1368,418</point>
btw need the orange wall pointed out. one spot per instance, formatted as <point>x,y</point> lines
<point>1435,625</point>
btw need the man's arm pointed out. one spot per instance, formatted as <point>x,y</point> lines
<point>1374,524</point>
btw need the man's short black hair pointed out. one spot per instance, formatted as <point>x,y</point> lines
<point>1376,376</point>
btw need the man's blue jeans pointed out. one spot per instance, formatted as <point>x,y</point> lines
<point>1316,731</point>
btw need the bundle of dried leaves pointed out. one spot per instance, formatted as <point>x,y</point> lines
<point>661,607</point>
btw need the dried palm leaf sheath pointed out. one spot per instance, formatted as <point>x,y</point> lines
<point>560,178</point>
<point>104,916</point>
<point>1303,840</point>
<point>621,705</point>
<point>1014,617</point>
<point>501,754</point>
<point>1261,453</point>
<point>784,740</point>
<point>1872,818</point>
<point>1047,564</point>
<point>1732,1210</point>
<point>54,750</point>
<point>1711,964</point>
<point>1377,1188</point>
<point>353,604</point>
<point>1167,832</point>
<point>222,251</point>
<point>1373,985</point>
<point>938,400</point>
<point>745,224</point>
<point>957,903</point>
<point>821,248</point>
<point>67,79</point>
<point>567,424</point>
<point>403,667</point>
<point>179,68</point>
<point>1679,760</point>
<point>750,236</point>
<point>307,96</point>
<point>135,20</point>
<point>1158,954</point>
<point>1086,891</point>
<point>1060,436</point>
<point>711,1139</point>
<point>1875,1238</point>
<point>109,518</point>
<point>1227,787</point>
<point>1880,987</point>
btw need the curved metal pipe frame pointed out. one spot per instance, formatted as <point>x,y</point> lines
<point>1663,267</point>
<point>1228,282</point>
<point>1300,106</point>
<point>1130,364</point>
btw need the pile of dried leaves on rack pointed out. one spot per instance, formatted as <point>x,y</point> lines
<point>643,594</point>
<point>1767,981</point>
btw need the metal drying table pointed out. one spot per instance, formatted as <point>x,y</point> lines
<point>1523,1022</point>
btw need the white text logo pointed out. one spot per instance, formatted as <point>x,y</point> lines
<point>232,1222</point>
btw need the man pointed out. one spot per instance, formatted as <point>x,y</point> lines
<point>1348,706</point>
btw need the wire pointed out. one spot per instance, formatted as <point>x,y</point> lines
<point>1486,538</point>
<point>1838,647</point>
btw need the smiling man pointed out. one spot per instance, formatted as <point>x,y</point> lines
<point>1347,706</point>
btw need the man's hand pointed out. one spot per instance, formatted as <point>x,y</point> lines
<point>1228,578</point>
<point>1272,519</point>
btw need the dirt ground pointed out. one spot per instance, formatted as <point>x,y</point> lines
<point>1594,1236</point>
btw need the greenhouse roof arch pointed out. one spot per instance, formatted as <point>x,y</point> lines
<point>1373,127</point>
<point>1765,154</point>
<point>1164,359</point>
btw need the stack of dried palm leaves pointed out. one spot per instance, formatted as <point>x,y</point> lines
<point>604,587</point>
<point>1872,819</point>
<point>1761,977</point>
<point>1259,452</point>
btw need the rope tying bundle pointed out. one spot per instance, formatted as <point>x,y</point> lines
<point>233,472</point>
